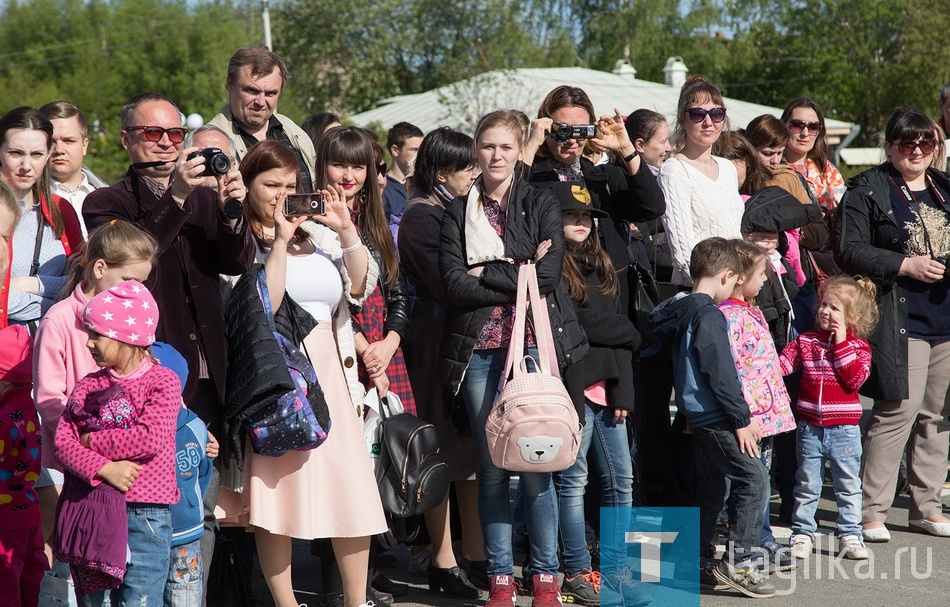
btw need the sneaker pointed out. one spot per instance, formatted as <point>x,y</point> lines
<point>622,591</point>
<point>503,592</point>
<point>708,581</point>
<point>773,557</point>
<point>581,589</point>
<point>419,562</point>
<point>546,591</point>
<point>744,578</point>
<point>800,545</point>
<point>852,547</point>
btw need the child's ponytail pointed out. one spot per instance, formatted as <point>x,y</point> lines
<point>117,243</point>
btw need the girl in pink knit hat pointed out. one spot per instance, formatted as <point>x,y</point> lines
<point>116,443</point>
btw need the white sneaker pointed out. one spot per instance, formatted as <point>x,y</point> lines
<point>800,546</point>
<point>852,547</point>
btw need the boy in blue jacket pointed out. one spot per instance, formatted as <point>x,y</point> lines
<point>709,394</point>
<point>194,449</point>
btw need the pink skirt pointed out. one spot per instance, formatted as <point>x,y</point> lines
<point>329,491</point>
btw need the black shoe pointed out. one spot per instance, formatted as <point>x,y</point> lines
<point>384,559</point>
<point>380,599</point>
<point>476,572</point>
<point>582,589</point>
<point>332,600</point>
<point>744,578</point>
<point>452,582</point>
<point>384,584</point>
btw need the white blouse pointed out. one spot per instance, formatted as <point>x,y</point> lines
<point>697,208</point>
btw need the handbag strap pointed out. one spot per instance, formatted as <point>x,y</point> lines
<point>269,312</point>
<point>38,244</point>
<point>528,290</point>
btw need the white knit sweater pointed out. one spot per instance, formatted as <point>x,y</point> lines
<point>698,208</point>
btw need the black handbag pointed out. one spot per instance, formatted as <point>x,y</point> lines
<point>411,473</point>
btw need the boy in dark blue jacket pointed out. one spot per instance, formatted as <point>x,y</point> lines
<point>183,587</point>
<point>709,394</point>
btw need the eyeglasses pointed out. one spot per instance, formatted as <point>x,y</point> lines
<point>155,133</point>
<point>698,114</point>
<point>926,146</point>
<point>797,126</point>
<point>381,168</point>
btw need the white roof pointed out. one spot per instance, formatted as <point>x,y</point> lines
<point>460,105</point>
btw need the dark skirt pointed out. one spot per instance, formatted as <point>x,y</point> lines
<point>92,534</point>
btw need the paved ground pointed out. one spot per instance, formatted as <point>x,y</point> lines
<point>911,570</point>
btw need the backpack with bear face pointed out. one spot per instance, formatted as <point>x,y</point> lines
<point>533,426</point>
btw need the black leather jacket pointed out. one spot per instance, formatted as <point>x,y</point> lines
<point>396,298</point>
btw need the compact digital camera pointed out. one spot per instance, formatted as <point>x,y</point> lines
<point>216,161</point>
<point>563,132</point>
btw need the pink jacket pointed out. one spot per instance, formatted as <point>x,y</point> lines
<point>758,365</point>
<point>155,394</point>
<point>60,359</point>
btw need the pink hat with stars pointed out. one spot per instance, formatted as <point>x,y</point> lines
<point>127,312</point>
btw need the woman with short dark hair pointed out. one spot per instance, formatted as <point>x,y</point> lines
<point>889,225</point>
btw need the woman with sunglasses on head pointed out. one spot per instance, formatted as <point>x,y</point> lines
<point>889,220</point>
<point>702,191</point>
<point>807,151</point>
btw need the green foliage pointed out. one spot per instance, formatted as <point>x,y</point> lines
<point>98,53</point>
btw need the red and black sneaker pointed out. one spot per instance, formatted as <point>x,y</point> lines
<point>547,591</point>
<point>503,591</point>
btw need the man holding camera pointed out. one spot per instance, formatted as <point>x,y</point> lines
<point>256,78</point>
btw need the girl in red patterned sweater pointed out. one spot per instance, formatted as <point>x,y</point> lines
<point>835,361</point>
<point>116,442</point>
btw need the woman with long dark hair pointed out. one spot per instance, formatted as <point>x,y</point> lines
<point>807,151</point>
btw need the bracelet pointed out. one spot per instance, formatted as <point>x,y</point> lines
<point>352,248</point>
<point>632,155</point>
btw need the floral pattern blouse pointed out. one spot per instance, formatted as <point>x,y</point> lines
<point>758,365</point>
<point>827,186</point>
<point>501,322</point>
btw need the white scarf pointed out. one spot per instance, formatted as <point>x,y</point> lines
<point>482,243</point>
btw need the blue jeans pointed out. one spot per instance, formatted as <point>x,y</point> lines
<point>717,458</point>
<point>765,455</point>
<point>604,442</point>
<point>479,390</point>
<point>183,586</point>
<point>841,445</point>
<point>150,538</point>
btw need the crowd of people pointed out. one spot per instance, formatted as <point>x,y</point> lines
<point>733,271</point>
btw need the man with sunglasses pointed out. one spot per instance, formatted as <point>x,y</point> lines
<point>256,78</point>
<point>199,234</point>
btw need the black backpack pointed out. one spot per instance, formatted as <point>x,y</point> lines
<point>411,473</point>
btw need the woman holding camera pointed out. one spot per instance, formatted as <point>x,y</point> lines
<point>323,268</point>
<point>627,194</point>
<point>889,219</point>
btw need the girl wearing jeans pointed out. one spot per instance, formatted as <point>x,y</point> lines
<point>835,361</point>
<point>500,224</point>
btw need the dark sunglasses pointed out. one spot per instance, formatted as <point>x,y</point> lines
<point>926,147</point>
<point>698,114</point>
<point>155,133</point>
<point>381,168</point>
<point>797,126</point>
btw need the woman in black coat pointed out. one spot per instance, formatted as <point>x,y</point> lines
<point>501,224</point>
<point>890,225</point>
<point>444,169</point>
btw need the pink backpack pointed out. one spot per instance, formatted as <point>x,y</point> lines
<point>533,426</point>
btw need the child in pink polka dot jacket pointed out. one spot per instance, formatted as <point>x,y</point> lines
<point>116,441</point>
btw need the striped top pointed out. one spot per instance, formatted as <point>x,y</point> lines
<point>832,375</point>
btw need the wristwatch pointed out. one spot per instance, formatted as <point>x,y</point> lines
<point>233,209</point>
<point>631,156</point>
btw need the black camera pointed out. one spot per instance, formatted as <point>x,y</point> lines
<point>216,161</point>
<point>296,205</point>
<point>564,132</point>
<point>945,262</point>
